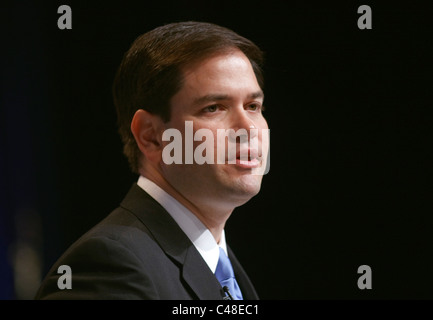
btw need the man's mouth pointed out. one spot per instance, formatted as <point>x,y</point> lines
<point>248,158</point>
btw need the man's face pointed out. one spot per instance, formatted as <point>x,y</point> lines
<point>220,92</point>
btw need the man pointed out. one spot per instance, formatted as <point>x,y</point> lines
<point>167,240</point>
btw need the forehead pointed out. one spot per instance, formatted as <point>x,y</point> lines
<point>227,71</point>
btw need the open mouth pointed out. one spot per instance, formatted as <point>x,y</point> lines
<point>248,158</point>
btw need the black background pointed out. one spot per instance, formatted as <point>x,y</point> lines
<point>351,153</point>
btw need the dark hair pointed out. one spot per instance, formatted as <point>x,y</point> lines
<point>150,73</point>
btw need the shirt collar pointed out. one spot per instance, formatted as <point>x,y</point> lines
<point>194,229</point>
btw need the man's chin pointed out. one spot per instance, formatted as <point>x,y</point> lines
<point>245,188</point>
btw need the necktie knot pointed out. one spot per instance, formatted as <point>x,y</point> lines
<point>226,276</point>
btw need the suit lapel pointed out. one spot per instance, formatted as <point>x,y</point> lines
<point>174,243</point>
<point>200,278</point>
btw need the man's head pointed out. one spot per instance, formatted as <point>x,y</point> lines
<point>150,73</point>
<point>191,72</point>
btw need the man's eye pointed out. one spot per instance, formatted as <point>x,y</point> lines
<point>254,107</point>
<point>212,108</point>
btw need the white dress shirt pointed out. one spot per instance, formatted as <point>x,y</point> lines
<point>195,230</point>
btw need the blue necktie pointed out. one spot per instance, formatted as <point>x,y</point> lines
<point>226,276</point>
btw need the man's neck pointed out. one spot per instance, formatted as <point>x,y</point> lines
<point>211,216</point>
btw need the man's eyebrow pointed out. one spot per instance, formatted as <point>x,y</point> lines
<point>220,97</point>
<point>210,98</point>
<point>257,94</point>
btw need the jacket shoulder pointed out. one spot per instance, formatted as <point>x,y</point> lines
<point>116,259</point>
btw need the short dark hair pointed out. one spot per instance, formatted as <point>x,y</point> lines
<point>150,73</point>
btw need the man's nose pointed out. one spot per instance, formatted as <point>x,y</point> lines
<point>243,124</point>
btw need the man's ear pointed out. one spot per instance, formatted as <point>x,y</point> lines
<point>146,129</point>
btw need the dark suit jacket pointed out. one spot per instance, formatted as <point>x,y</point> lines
<point>138,252</point>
